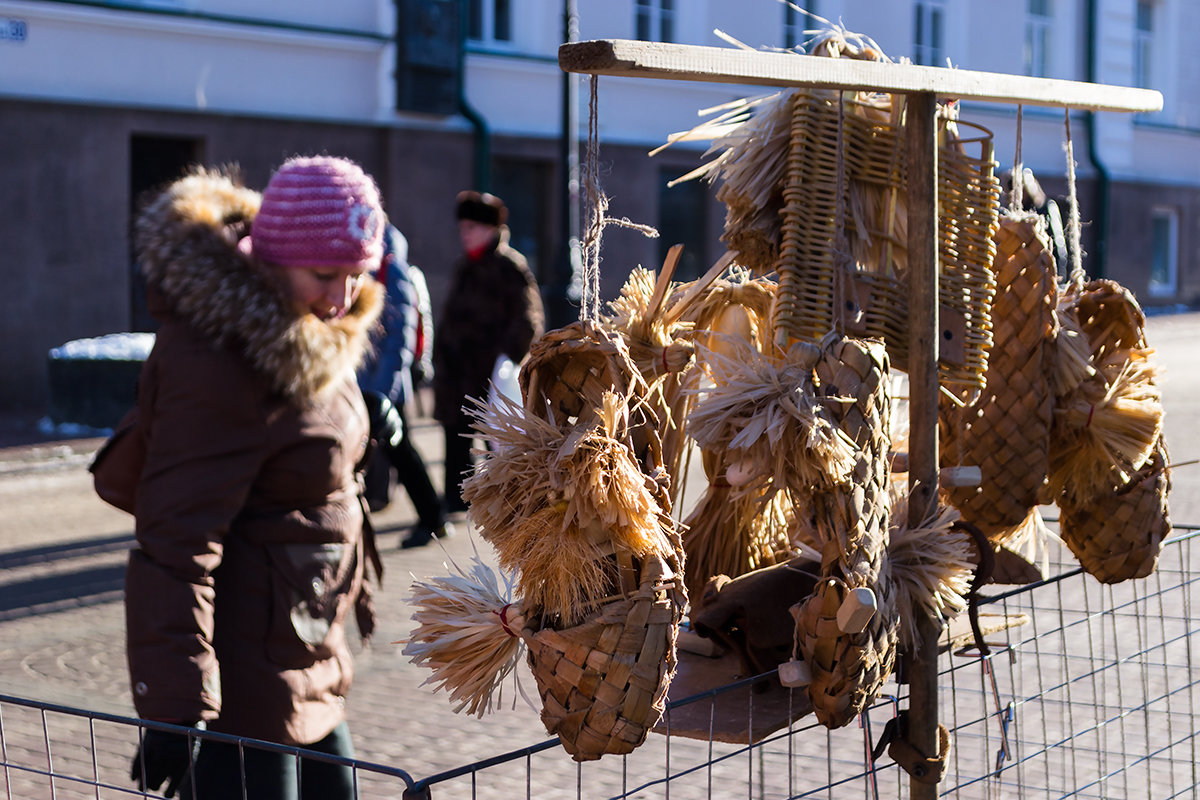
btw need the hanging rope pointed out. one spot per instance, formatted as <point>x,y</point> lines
<point>1018,172</point>
<point>1077,276</point>
<point>597,215</point>
<point>841,245</point>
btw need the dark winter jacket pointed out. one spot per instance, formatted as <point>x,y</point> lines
<point>251,550</point>
<point>493,307</point>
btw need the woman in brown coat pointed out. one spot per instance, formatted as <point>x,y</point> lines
<point>252,548</point>
<point>493,308</point>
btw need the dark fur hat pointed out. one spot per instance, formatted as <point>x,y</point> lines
<point>485,208</point>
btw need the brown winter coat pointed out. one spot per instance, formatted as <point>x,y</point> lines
<point>493,307</point>
<point>250,526</point>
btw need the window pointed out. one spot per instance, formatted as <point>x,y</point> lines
<point>682,211</point>
<point>795,20</point>
<point>1143,45</point>
<point>524,185</point>
<point>489,20</point>
<point>929,33</point>
<point>1038,20</point>
<point>656,20</point>
<point>1164,259</point>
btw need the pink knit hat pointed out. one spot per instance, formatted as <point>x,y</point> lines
<point>319,211</point>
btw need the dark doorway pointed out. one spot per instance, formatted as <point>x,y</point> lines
<point>153,162</point>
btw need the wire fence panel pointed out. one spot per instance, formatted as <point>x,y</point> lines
<point>1093,697</point>
<point>1083,690</point>
<point>61,753</point>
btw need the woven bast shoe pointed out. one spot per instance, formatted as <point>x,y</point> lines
<point>1004,429</point>
<point>851,654</point>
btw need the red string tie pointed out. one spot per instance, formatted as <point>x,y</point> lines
<point>504,621</point>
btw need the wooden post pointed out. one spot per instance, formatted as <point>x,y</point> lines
<point>922,668</point>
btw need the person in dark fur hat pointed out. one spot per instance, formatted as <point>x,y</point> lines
<point>253,547</point>
<point>493,308</point>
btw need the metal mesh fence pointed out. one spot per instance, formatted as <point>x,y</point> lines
<point>1086,691</point>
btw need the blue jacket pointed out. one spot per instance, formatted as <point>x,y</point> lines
<point>389,369</point>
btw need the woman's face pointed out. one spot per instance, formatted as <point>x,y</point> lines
<point>327,292</point>
<point>475,235</point>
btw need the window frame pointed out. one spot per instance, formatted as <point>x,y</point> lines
<point>1169,287</point>
<point>1143,44</point>
<point>483,19</point>
<point>1038,42</point>
<point>929,22</point>
<point>652,17</point>
<point>795,13</point>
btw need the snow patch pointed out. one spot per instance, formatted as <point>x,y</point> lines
<point>111,347</point>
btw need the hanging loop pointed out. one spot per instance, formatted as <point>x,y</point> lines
<point>1077,277</point>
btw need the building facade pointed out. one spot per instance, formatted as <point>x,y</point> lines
<point>102,100</point>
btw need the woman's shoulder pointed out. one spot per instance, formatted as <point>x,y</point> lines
<point>193,362</point>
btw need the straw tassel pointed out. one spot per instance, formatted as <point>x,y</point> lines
<point>467,633</point>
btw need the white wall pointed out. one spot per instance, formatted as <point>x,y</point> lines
<point>90,54</point>
<point>77,53</point>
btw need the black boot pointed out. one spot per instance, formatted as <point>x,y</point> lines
<point>424,534</point>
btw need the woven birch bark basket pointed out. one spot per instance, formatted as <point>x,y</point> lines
<point>849,663</point>
<point>1109,470</point>
<point>603,676</point>
<point>1004,429</point>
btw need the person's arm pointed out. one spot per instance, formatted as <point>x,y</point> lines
<point>423,364</point>
<point>206,445</point>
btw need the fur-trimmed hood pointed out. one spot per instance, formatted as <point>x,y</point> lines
<point>186,242</point>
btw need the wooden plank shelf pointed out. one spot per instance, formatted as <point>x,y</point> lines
<point>727,65</point>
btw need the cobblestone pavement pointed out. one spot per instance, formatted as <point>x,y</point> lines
<point>62,555</point>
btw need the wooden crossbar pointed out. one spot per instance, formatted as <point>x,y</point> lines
<point>728,65</point>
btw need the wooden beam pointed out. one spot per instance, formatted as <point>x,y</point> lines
<point>728,65</point>
<point>923,460</point>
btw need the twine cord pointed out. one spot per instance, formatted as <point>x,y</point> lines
<point>597,204</point>
<point>841,245</point>
<point>597,214</point>
<point>1018,173</point>
<point>1077,276</point>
